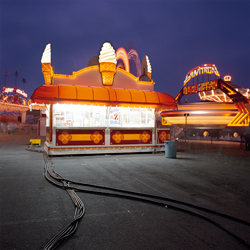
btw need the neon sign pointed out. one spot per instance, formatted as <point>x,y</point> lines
<point>10,90</point>
<point>199,70</point>
<point>205,86</point>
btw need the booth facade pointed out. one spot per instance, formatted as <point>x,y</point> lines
<point>88,114</point>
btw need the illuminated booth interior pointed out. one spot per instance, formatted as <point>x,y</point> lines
<point>102,108</point>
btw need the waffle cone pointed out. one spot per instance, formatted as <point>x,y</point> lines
<point>47,72</point>
<point>108,71</point>
<point>107,78</point>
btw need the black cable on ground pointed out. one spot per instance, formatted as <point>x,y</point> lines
<point>166,206</point>
<point>57,179</point>
<point>155,197</point>
<point>161,198</point>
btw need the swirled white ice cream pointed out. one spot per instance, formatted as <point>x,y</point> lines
<point>46,57</point>
<point>148,65</point>
<point>107,54</point>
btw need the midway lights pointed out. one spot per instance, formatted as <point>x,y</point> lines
<point>13,107</point>
<point>205,86</point>
<point>102,108</point>
<point>15,90</point>
<point>203,69</point>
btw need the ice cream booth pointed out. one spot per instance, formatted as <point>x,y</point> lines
<point>102,108</point>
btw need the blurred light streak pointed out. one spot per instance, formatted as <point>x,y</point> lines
<point>132,54</point>
<point>121,54</point>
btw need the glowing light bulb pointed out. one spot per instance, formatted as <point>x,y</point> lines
<point>227,78</point>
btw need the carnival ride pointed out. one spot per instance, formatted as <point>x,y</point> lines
<point>224,104</point>
<point>13,105</point>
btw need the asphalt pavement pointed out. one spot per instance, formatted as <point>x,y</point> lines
<point>214,176</point>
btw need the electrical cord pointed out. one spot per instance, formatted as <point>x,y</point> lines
<point>57,176</point>
<point>63,183</point>
<point>57,180</point>
<point>161,198</point>
<point>166,206</point>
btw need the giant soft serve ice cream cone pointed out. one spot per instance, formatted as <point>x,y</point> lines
<point>107,61</point>
<point>149,68</point>
<point>46,65</point>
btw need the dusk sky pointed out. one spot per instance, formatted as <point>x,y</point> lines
<point>176,36</point>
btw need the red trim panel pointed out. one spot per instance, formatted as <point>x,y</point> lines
<point>77,137</point>
<point>121,137</point>
<point>163,135</point>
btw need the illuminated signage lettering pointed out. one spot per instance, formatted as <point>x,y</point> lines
<point>203,69</point>
<point>10,90</point>
<point>205,86</point>
<point>21,92</point>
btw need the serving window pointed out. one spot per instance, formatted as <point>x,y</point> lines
<point>79,116</point>
<point>131,117</point>
<point>69,115</point>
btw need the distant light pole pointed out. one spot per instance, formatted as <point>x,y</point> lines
<point>6,73</point>
<point>186,116</point>
<point>16,75</point>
